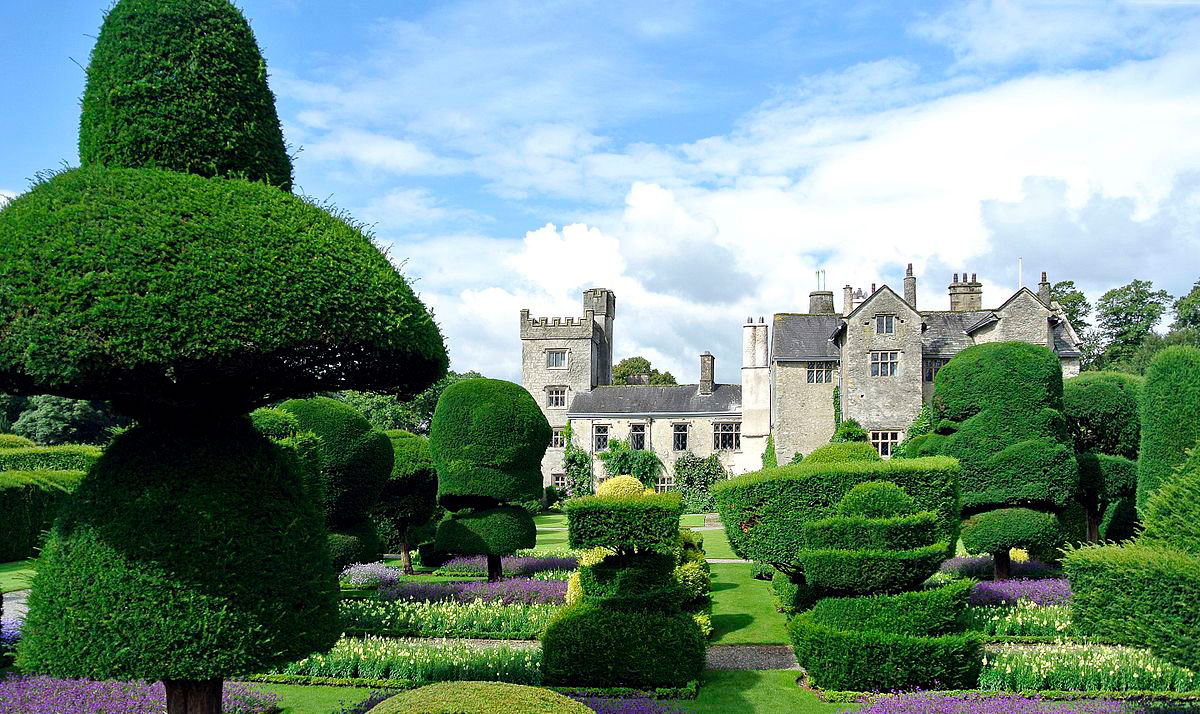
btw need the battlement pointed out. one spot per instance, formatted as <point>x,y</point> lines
<point>546,328</point>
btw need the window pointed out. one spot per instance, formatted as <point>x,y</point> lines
<point>885,324</point>
<point>727,436</point>
<point>932,365</point>
<point>665,482</point>
<point>885,441</point>
<point>557,439</point>
<point>820,372</point>
<point>556,397</point>
<point>559,482</point>
<point>883,364</point>
<point>600,437</point>
<point>556,359</point>
<point>679,437</point>
<point>637,437</point>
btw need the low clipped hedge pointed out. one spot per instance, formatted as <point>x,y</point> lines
<point>865,533</point>
<point>29,500</point>
<point>1005,528</point>
<point>650,522</point>
<point>13,441</point>
<point>68,457</point>
<point>479,698</point>
<point>1139,596</point>
<point>591,646</point>
<point>843,451</point>
<point>764,512</point>
<point>884,571</point>
<point>502,529</point>
<point>888,642</point>
<point>645,581</point>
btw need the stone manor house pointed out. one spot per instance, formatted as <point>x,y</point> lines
<point>878,356</point>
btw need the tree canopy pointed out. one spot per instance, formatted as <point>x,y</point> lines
<point>631,367</point>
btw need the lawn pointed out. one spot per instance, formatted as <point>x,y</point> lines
<point>315,700</point>
<point>716,545</point>
<point>15,575</point>
<point>743,610</point>
<point>757,692</point>
<point>559,520</point>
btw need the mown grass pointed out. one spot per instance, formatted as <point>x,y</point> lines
<point>743,610</point>
<point>16,575</point>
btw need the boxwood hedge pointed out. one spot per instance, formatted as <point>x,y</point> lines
<point>843,451</point>
<point>12,441</point>
<point>863,533</point>
<point>68,457</point>
<point>1170,427</point>
<point>29,500</point>
<point>649,522</point>
<point>491,531</point>
<point>643,581</point>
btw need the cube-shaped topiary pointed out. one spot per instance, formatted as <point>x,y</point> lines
<point>647,523</point>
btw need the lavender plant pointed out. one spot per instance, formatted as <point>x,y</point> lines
<point>1044,591</point>
<point>48,695</point>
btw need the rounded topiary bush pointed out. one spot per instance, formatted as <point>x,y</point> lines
<point>1170,417</point>
<point>846,451</point>
<point>849,430</point>
<point>479,698</point>
<point>488,437</point>
<point>876,499</point>
<point>181,85</point>
<point>621,487</point>
<point>12,441</point>
<point>633,582</point>
<point>218,295</point>
<point>1006,528</point>
<point>275,423</point>
<point>111,602</point>
<point>1101,409</point>
<point>354,543</point>
<point>491,531</point>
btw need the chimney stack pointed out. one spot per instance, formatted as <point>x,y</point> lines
<point>910,287</point>
<point>708,366</point>
<point>1044,290</point>
<point>820,302</point>
<point>966,294</point>
<point>847,300</point>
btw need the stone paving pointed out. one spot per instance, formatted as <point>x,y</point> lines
<point>14,605</point>
<point>751,657</point>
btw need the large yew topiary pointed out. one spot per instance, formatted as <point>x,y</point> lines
<point>487,439</point>
<point>156,279</point>
<point>409,497</point>
<point>1170,418</point>
<point>998,410</point>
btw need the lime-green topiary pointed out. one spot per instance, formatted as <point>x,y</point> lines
<point>275,423</point>
<point>12,441</point>
<point>1170,417</point>
<point>876,499</point>
<point>409,497</point>
<point>842,451</point>
<point>181,85</point>
<point>621,487</point>
<point>479,698</point>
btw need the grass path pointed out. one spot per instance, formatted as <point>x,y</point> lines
<point>743,610</point>
<point>716,544</point>
<point>757,692</point>
<point>16,575</point>
<point>295,699</point>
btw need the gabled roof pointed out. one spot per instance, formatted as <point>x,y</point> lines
<point>804,337</point>
<point>948,333</point>
<point>872,296</point>
<point>1019,293</point>
<point>672,400</point>
<point>1062,341</point>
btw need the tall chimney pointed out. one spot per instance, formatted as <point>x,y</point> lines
<point>1044,290</point>
<point>708,366</point>
<point>966,294</point>
<point>910,287</point>
<point>820,302</point>
<point>749,338</point>
<point>847,300</point>
<point>761,343</point>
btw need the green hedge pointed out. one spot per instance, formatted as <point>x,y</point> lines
<point>1173,514</point>
<point>12,441</point>
<point>862,533</point>
<point>879,571</point>
<point>876,499</point>
<point>764,512</point>
<point>887,643</point>
<point>1106,478</point>
<point>479,698</point>
<point>275,423</point>
<point>1004,528</point>
<point>354,543</point>
<point>503,529</point>
<point>643,581</point>
<point>68,457</point>
<point>842,451</point>
<point>792,594</point>
<point>650,522</point>
<point>1139,596</point>
<point>1120,520</point>
<point>29,501</point>
<point>409,496</point>
<point>590,646</point>
<point>1170,403</point>
<point>1101,409</point>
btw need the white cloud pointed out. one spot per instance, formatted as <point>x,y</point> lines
<point>377,151</point>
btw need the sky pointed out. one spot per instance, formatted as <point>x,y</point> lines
<point>704,160</point>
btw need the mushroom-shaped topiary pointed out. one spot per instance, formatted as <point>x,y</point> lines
<point>409,497</point>
<point>487,438</point>
<point>154,279</point>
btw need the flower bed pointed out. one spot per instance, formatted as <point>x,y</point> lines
<point>47,695</point>
<point>1023,620</point>
<point>370,575</point>
<point>932,703</point>
<point>640,705</point>
<point>513,565</point>
<point>524,591</point>
<point>490,620</point>
<point>10,634</point>
<point>422,662</point>
<point>1083,668</point>
<point>1043,591</point>
<point>980,567</point>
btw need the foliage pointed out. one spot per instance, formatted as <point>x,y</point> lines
<point>410,494</point>
<point>769,460</point>
<point>181,86</point>
<point>1140,596</point>
<point>995,703</point>
<point>519,565</point>
<point>274,423</point>
<point>388,411</point>
<point>50,420</point>
<point>633,582</point>
<point>871,533</point>
<point>694,479</point>
<point>843,451</point>
<point>841,572</point>
<point>149,528</point>
<point>1083,667</point>
<point>642,464</point>
<point>591,645</point>
<point>621,487</point>
<point>1173,514</point>
<point>355,543</point>
<point>48,695</point>
<point>922,425</point>
<point>1025,619</point>
<point>876,499</point>
<point>1101,409</point>
<point>29,501</point>
<point>1074,303</point>
<point>1125,315</point>
<point>796,458</point>
<point>414,661</point>
<point>68,457</point>
<point>271,281</point>
<point>848,431</point>
<point>648,523</point>
<point>488,531</point>
<point>631,367</point>
<point>480,698</point>
<point>474,619</point>
<point>1006,528</point>
<point>1105,479</point>
<point>1170,403</point>
<point>837,405</point>
<point>763,512</point>
<point>577,466</point>
<point>12,441</point>
<point>1187,310</point>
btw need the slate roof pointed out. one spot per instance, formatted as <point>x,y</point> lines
<point>946,332</point>
<point>669,400</point>
<point>1062,342</point>
<point>805,337</point>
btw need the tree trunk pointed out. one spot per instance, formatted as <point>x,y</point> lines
<point>406,555</point>
<point>185,696</point>
<point>1001,562</point>
<point>1093,523</point>
<point>495,569</point>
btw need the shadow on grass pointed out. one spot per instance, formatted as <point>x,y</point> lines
<point>726,623</point>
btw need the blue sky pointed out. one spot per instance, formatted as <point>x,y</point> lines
<point>703,159</point>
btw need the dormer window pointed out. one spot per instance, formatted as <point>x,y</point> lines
<point>885,324</point>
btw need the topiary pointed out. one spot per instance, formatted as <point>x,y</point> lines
<point>1101,409</point>
<point>621,487</point>
<point>845,451</point>
<point>849,431</point>
<point>1173,514</point>
<point>479,698</point>
<point>275,423</point>
<point>1170,427</point>
<point>1001,530</point>
<point>181,86</point>
<point>410,495</point>
<point>876,499</point>
<point>12,441</point>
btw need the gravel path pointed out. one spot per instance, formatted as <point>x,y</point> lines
<point>751,657</point>
<point>14,605</point>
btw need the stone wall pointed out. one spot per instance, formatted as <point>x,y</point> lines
<point>891,402</point>
<point>803,412</point>
<point>661,431</point>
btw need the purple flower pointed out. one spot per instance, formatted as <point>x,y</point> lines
<point>929,703</point>
<point>10,635</point>
<point>628,706</point>
<point>48,695</point>
<point>1046,591</point>
<point>511,564</point>
<point>981,567</point>
<point>507,592</point>
<point>371,575</point>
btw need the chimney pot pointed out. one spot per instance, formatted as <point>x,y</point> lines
<point>955,278</point>
<point>973,278</point>
<point>707,372</point>
<point>908,270</point>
